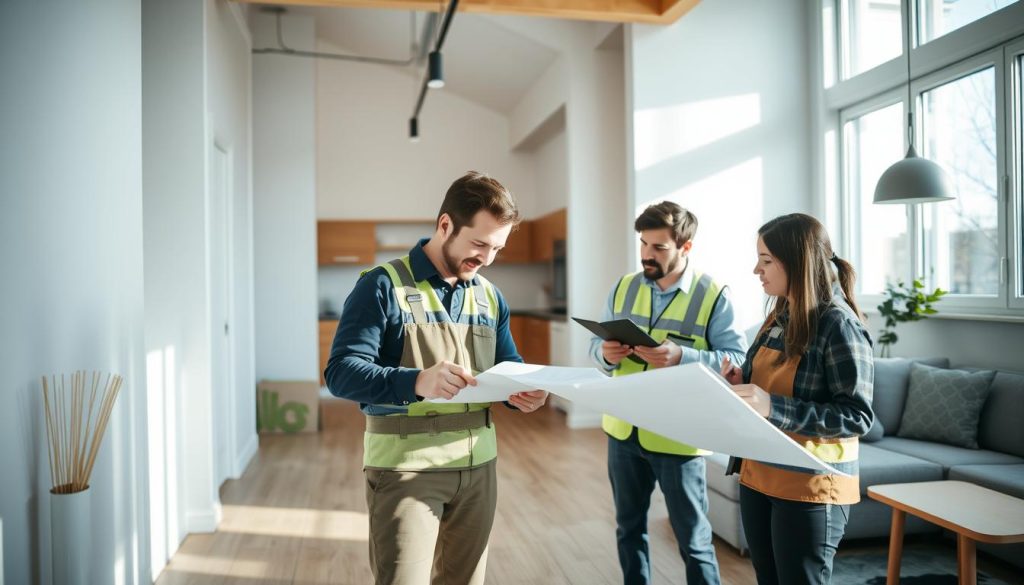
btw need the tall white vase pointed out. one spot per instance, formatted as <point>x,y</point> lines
<point>70,529</point>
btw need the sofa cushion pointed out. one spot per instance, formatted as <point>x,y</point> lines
<point>879,466</point>
<point>1000,427</point>
<point>1008,479</point>
<point>727,485</point>
<point>945,455</point>
<point>892,375</point>
<point>945,405</point>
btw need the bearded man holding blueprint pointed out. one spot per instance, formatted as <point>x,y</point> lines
<point>691,320</point>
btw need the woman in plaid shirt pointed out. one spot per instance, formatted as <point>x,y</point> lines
<point>810,373</point>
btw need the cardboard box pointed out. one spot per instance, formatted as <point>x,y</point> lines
<point>287,406</point>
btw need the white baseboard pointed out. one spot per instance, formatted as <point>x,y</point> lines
<point>244,458</point>
<point>202,521</point>
<point>583,419</point>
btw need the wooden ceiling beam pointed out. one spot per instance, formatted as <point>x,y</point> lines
<point>642,11</point>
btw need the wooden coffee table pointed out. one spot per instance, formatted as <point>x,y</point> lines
<point>975,513</point>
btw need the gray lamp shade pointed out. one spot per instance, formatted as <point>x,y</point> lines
<point>914,180</point>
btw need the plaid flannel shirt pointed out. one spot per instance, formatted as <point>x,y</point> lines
<point>834,380</point>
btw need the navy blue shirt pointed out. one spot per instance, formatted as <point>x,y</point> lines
<point>367,349</point>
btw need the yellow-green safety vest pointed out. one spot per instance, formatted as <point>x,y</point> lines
<point>684,321</point>
<point>430,336</point>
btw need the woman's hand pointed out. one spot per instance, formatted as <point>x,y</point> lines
<point>732,374</point>
<point>757,398</point>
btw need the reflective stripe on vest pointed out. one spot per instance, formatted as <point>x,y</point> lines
<point>424,312</point>
<point>685,321</point>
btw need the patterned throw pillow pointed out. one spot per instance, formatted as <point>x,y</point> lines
<point>944,405</point>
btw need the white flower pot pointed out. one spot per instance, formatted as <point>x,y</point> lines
<point>70,528</point>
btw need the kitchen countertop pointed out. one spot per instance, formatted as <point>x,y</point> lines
<point>548,314</point>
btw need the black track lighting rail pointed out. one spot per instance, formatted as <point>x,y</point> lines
<point>445,24</point>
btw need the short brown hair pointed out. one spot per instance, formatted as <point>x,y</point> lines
<point>667,215</point>
<point>475,192</point>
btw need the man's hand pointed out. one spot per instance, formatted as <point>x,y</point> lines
<point>666,354</point>
<point>614,352</point>
<point>732,374</point>
<point>528,401</point>
<point>443,380</point>
<point>753,395</point>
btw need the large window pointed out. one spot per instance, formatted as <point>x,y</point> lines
<point>871,142</point>
<point>870,34</point>
<point>965,98</point>
<point>958,123</point>
<point>938,17</point>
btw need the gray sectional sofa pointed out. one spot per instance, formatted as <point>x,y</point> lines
<point>997,464</point>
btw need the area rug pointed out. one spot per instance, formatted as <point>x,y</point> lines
<point>920,566</point>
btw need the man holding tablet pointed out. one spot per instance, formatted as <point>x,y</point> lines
<point>692,319</point>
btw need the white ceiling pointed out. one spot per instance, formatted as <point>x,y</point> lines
<point>484,62</point>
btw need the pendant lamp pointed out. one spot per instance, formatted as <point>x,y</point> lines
<point>913,179</point>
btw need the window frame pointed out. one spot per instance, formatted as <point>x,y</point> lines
<point>1012,184</point>
<point>998,38</point>
<point>848,204</point>
<point>994,59</point>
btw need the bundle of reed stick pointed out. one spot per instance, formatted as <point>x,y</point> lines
<point>73,432</point>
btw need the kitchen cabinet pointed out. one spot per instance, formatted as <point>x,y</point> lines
<point>519,246</point>
<point>346,242</point>
<point>327,330</point>
<point>545,231</point>
<point>533,338</point>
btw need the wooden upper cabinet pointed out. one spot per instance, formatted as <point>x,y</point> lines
<point>546,230</point>
<point>519,246</point>
<point>346,242</point>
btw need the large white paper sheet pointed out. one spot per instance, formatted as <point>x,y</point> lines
<point>690,404</point>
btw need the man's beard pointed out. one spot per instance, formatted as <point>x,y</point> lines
<point>453,264</point>
<point>658,272</point>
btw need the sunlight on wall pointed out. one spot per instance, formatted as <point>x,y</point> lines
<point>296,522</point>
<point>163,492</point>
<point>729,209</point>
<point>662,133</point>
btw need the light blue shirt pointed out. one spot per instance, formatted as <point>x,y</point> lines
<point>724,335</point>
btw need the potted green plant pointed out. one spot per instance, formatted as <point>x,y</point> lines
<point>902,304</point>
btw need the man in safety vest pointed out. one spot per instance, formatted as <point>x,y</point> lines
<point>416,328</point>
<point>691,316</point>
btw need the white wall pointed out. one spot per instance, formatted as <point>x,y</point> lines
<point>721,126</point>
<point>71,242</point>
<point>284,195</point>
<point>229,103</point>
<point>366,165</point>
<point>196,88</point>
<point>367,168</point>
<point>977,344</point>
<point>177,335</point>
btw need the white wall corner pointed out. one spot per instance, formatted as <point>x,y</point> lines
<point>541,101</point>
<point>246,455</point>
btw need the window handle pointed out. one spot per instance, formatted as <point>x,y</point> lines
<point>1004,265</point>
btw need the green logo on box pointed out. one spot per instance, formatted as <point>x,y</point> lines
<point>289,417</point>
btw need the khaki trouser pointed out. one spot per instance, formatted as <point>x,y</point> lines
<point>430,527</point>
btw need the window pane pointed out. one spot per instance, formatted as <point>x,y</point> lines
<point>938,17</point>
<point>872,34</point>
<point>872,143</point>
<point>961,236</point>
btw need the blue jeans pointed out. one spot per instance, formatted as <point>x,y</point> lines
<point>633,472</point>
<point>791,543</point>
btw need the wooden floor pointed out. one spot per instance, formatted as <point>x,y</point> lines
<point>298,514</point>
